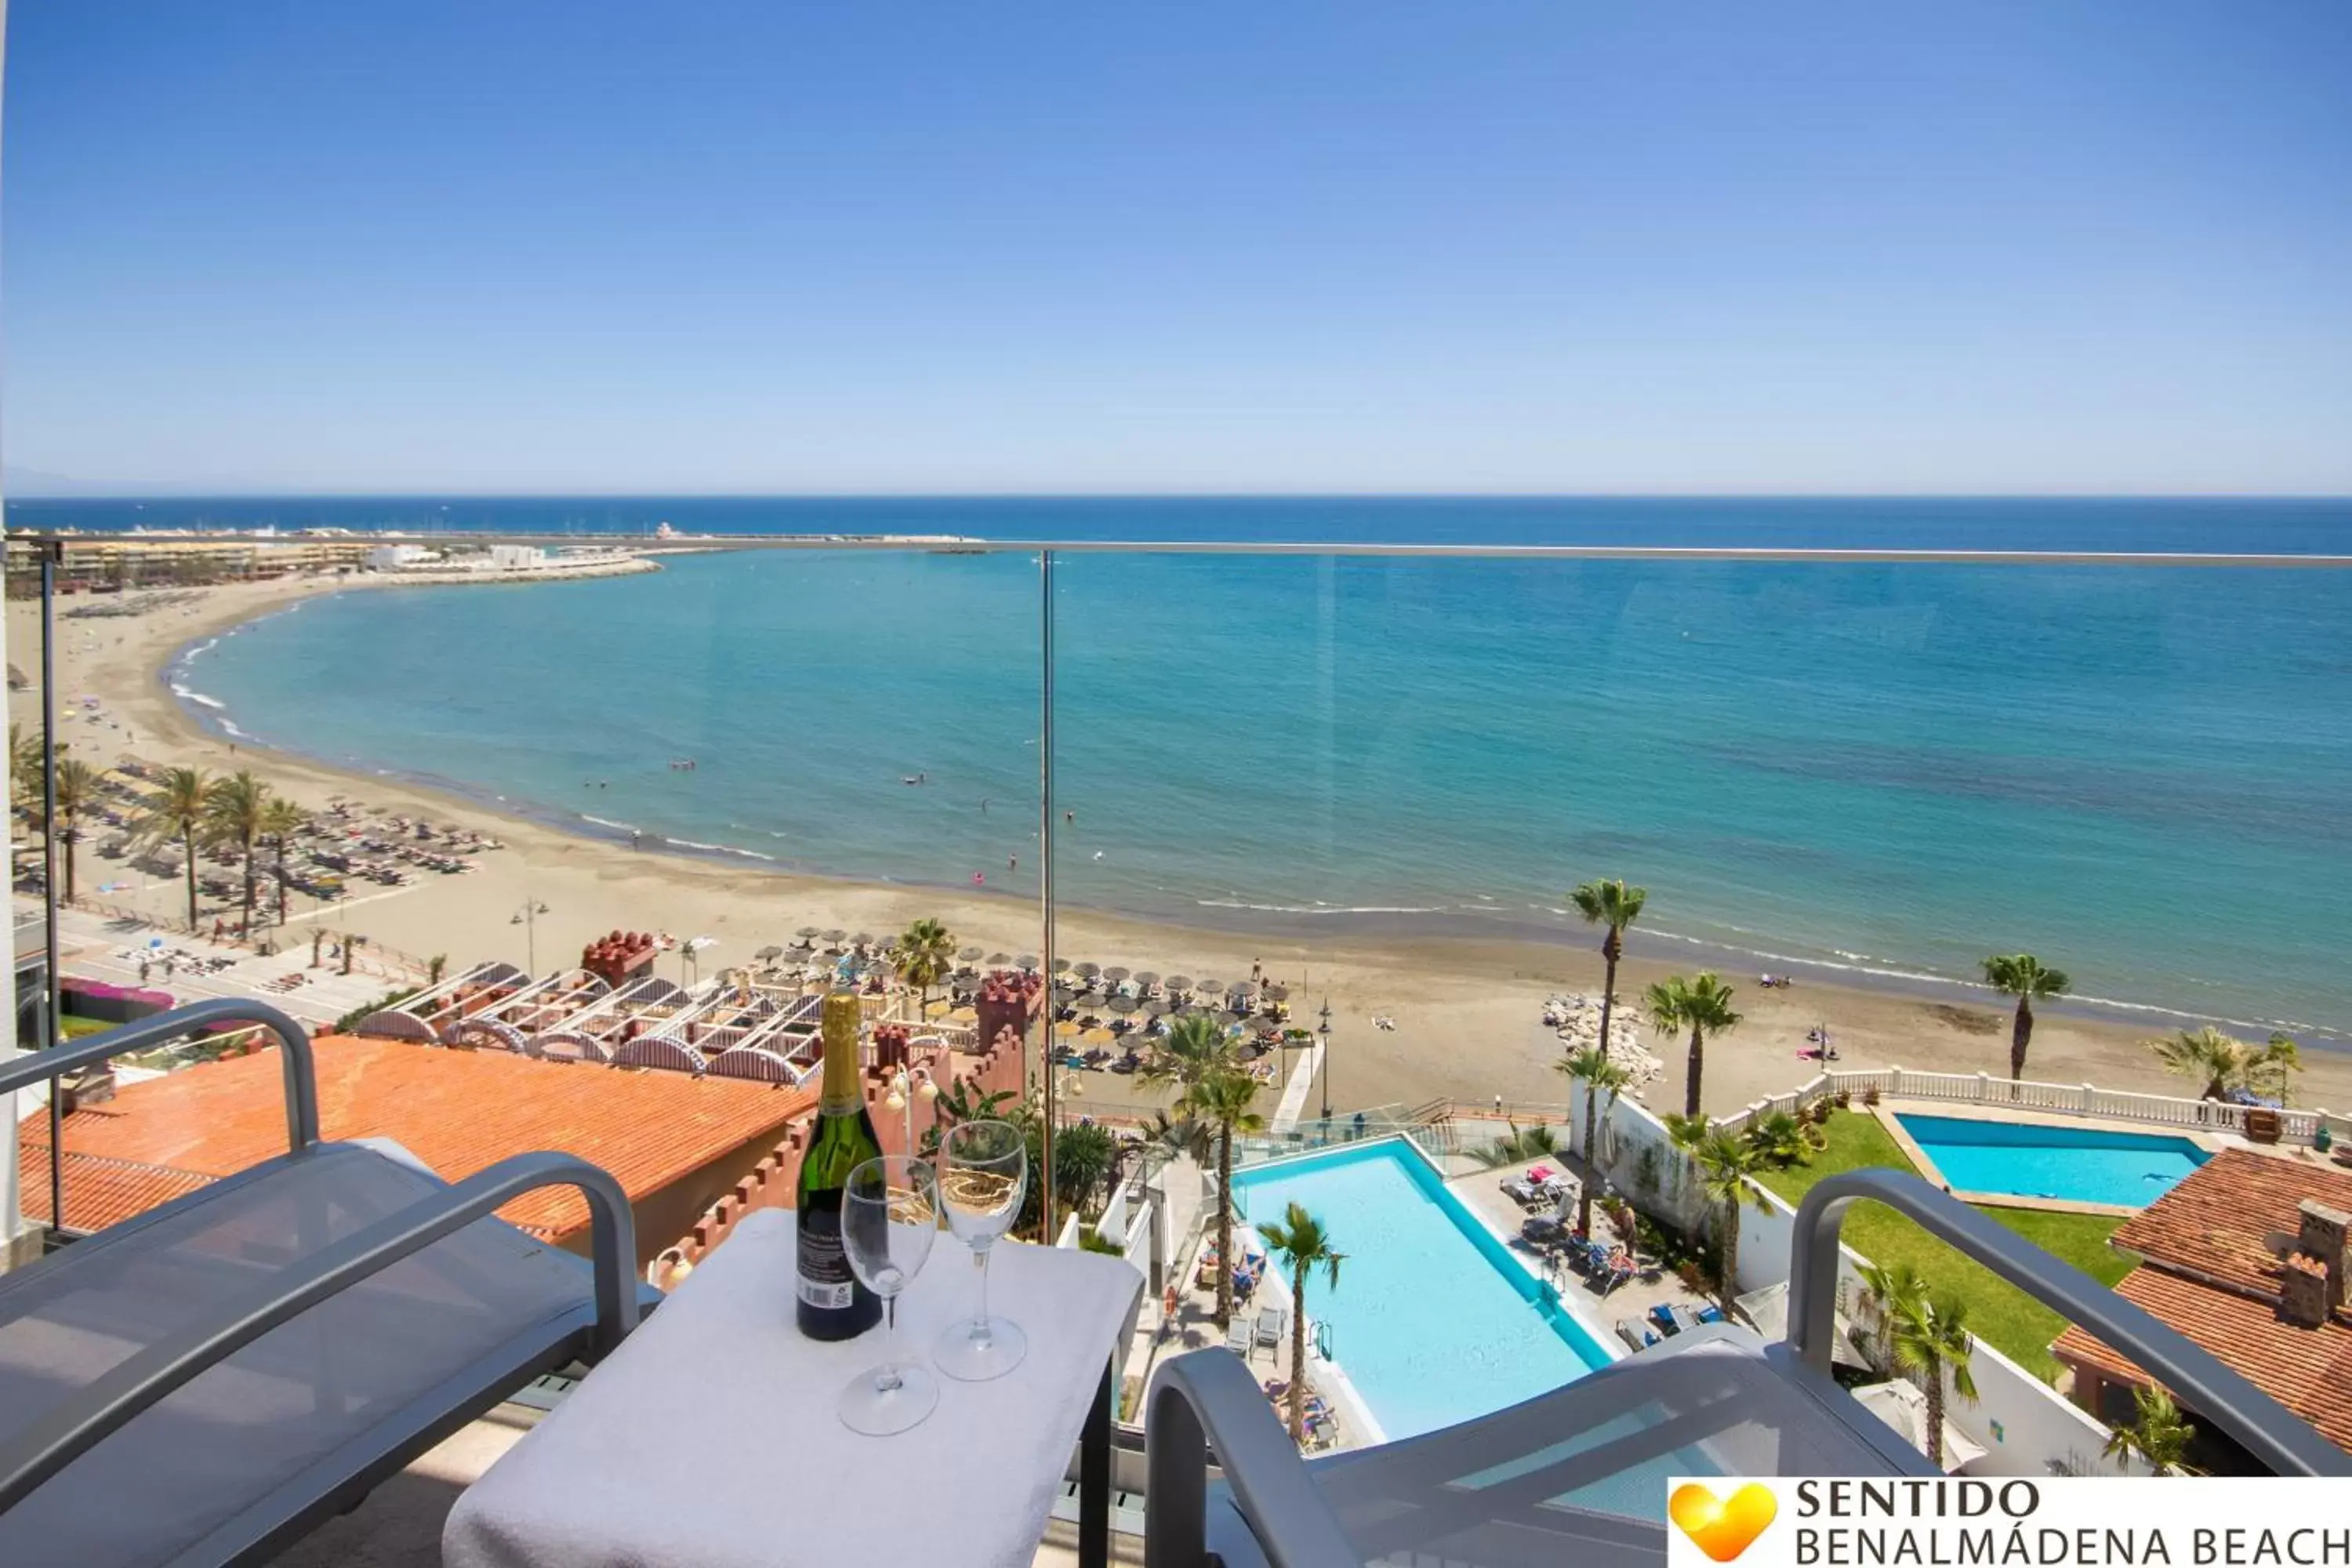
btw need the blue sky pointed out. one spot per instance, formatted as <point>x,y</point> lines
<point>1551,246</point>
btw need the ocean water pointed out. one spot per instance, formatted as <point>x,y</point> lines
<point>2139,773</point>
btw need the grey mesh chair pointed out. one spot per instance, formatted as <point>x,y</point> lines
<point>1577,1474</point>
<point>206,1382</point>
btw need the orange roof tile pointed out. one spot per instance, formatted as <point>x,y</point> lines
<point>2217,1222</point>
<point>99,1192</point>
<point>2309,1371</point>
<point>456,1110</point>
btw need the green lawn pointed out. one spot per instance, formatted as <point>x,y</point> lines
<point>73,1028</point>
<point>1999,1313</point>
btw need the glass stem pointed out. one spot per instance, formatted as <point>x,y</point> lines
<point>886,1376</point>
<point>980,1334</point>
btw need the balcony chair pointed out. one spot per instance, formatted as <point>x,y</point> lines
<point>204,1383</point>
<point>1577,1475</point>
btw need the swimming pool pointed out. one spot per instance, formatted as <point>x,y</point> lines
<point>2075,1165</point>
<point>1434,1320</point>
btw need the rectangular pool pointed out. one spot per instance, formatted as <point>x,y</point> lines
<point>2073,1165</point>
<point>1434,1321</point>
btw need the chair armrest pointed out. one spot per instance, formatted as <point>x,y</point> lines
<point>2272,1435</point>
<point>60,1436</point>
<point>1208,1398</point>
<point>293,1046</point>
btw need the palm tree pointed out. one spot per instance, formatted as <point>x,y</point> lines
<point>233,808</point>
<point>2157,1432</point>
<point>1221,1101</point>
<point>2227,1064</point>
<point>1616,906</point>
<point>2021,975</point>
<point>962,1100</point>
<point>1303,1244</point>
<point>1593,1067</point>
<point>77,792</point>
<point>1888,1289</point>
<point>1702,1005</point>
<point>1195,1047</point>
<point>1930,1336</point>
<point>1725,1164</point>
<point>2283,1058</point>
<point>1779,1139</point>
<point>926,956</point>
<point>280,820</point>
<point>176,813</point>
<point>25,755</point>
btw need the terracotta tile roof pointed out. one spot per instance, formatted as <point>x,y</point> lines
<point>459,1111</point>
<point>2309,1371</point>
<point>98,1191</point>
<point>2217,1222</point>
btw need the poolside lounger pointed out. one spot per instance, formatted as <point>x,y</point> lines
<point>1271,1323</point>
<point>1237,1337</point>
<point>206,1382</point>
<point>1637,1337</point>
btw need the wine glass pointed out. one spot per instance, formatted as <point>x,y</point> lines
<point>983,1168</point>
<point>889,1214</point>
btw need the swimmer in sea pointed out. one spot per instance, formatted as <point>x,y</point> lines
<point>1012,862</point>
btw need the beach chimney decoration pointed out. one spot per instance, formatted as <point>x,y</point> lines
<point>2312,1284</point>
<point>619,957</point>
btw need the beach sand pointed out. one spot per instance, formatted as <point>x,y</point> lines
<point>1468,1012</point>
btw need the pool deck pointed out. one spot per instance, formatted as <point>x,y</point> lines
<point>1891,1111</point>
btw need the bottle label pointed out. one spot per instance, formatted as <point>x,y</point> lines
<point>825,1281</point>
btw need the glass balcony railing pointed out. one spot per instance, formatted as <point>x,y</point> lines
<point>639,802</point>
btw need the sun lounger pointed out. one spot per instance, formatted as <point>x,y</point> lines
<point>1635,1336</point>
<point>1271,1323</point>
<point>261,1352</point>
<point>1237,1337</point>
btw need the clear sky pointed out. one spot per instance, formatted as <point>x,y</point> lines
<point>1567,246</point>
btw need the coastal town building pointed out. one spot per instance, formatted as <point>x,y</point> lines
<point>677,1144</point>
<point>2247,1258</point>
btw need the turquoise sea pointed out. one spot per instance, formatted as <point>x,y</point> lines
<point>2142,773</point>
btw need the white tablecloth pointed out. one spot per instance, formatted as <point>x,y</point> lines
<point>710,1438</point>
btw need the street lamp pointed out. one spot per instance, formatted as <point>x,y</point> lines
<point>527,917</point>
<point>1324,1029</point>
<point>904,1090</point>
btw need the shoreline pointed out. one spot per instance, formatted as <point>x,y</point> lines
<point>1481,982</point>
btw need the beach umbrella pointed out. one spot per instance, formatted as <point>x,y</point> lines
<point>1028,960</point>
<point>1211,987</point>
<point>1242,988</point>
<point>809,933</point>
<point>1114,974</point>
<point>965,1015</point>
<point>1067,1027</point>
<point>998,959</point>
<point>1099,1036</point>
<point>1277,993</point>
<point>1159,1008</point>
<point>1063,995</point>
<point>937,1010</point>
<point>1090,970</point>
<point>1180,983</point>
<point>888,944</point>
<point>767,954</point>
<point>863,938</point>
<point>1061,966</point>
<point>1229,1019</point>
<point>837,936</point>
<point>969,955</point>
<point>1124,1003</point>
<point>1145,979</point>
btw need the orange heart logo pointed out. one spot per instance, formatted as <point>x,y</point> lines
<point>1722,1527</point>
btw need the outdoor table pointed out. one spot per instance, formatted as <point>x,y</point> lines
<point>710,1437</point>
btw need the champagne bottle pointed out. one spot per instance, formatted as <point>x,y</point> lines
<point>832,1302</point>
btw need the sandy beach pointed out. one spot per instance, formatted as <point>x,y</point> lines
<point>1467,1012</point>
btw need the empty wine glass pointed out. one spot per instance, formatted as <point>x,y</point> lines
<point>983,1168</point>
<point>889,1214</point>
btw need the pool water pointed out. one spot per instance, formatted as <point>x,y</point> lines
<point>2076,1164</point>
<point>1434,1320</point>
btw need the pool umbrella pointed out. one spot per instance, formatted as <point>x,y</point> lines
<point>1124,1003</point>
<point>1029,961</point>
<point>1090,968</point>
<point>1145,979</point>
<point>809,933</point>
<point>998,959</point>
<point>1114,974</point>
<point>969,955</point>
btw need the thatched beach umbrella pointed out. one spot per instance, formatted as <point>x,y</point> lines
<point>1277,993</point>
<point>1244,989</point>
<point>1211,987</point>
<point>1123,1003</point>
<point>1229,1019</point>
<point>1063,996</point>
<point>969,955</point>
<point>998,959</point>
<point>768,955</point>
<point>1180,983</point>
<point>1029,961</point>
<point>1067,1027</point>
<point>1145,979</point>
<point>1061,966</point>
<point>837,936</point>
<point>1090,969</point>
<point>1159,1008</point>
<point>809,933</point>
<point>1115,974</point>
